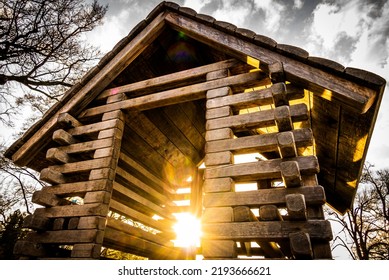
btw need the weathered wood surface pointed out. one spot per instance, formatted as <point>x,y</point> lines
<point>66,236</point>
<point>161,225</point>
<point>68,120</point>
<point>288,142</point>
<point>313,196</point>
<point>265,118</point>
<point>143,201</point>
<point>253,98</point>
<point>263,143</point>
<point>218,185</point>
<point>94,209</point>
<point>300,245</point>
<point>261,170</point>
<point>138,232</point>
<point>173,96</point>
<point>166,81</point>
<point>124,242</point>
<point>219,249</point>
<point>78,188</point>
<point>266,231</point>
<point>290,173</point>
<point>296,206</point>
<point>356,97</point>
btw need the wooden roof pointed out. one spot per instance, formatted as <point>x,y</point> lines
<point>343,102</point>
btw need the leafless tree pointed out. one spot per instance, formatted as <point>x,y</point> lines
<point>42,49</point>
<point>366,226</point>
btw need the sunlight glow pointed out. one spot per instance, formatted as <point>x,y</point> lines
<point>188,230</point>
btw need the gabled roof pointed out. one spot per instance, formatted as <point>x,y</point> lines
<point>345,102</point>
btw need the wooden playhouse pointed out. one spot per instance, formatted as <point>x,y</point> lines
<point>165,117</point>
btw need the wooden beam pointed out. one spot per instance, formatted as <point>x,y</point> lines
<point>173,96</point>
<point>313,196</point>
<point>160,83</point>
<point>260,119</point>
<point>269,169</point>
<point>266,231</point>
<point>255,98</point>
<point>351,95</point>
<point>262,143</point>
<point>66,236</point>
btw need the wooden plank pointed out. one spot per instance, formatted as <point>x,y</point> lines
<point>63,138</point>
<point>138,232</point>
<point>121,241</point>
<point>300,245</point>
<point>254,98</point>
<point>269,213</point>
<point>36,222</point>
<point>218,185</point>
<point>219,158</point>
<point>162,82</point>
<point>354,96</point>
<point>128,160</point>
<point>86,146</point>
<point>268,142</point>
<point>287,143</point>
<point>78,188</point>
<point>267,231</point>
<point>218,112</point>
<point>140,217</point>
<point>265,118</point>
<point>283,118</point>
<point>47,199</point>
<point>52,176</point>
<point>218,215</point>
<point>219,249</point>
<point>276,71</point>
<point>139,184</point>
<point>93,87</point>
<point>94,127</point>
<point>66,236</point>
<point>178,117</point>
<point>94,209</point>
<point>290,173</point>
<point>313,196</point>
<point>176,135</point>
<point>68,120</point>
<point>269,169</point>
<point>296,206</point>
<point>280,94</point>
<point>57,156</point>
<point>217,134</point>
<point>153,135</point>
<point>82,165</point>
<point>173,96</point>
<point>145,202</point>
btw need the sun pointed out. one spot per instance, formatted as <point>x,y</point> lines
<point>188,230</point>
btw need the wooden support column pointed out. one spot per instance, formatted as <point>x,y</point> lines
<point>215,249</point>
<point>102,197</point>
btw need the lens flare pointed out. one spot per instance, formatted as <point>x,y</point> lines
<point>188,230</point>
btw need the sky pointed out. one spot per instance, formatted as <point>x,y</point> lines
<point>354,33</point>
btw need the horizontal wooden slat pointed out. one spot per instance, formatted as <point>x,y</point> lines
<point>173,96</point>
<point>258,143</point>
<point>265,118</point>
<point>93,209</point>
<point>142,200</point>
<point>160,225</point>
<point>138,232</point>
<point>159,83</point>
<point>86,146</point>
<point>66,236</point>
<point>95,127</point>
<point>269,169</point>
<point>128,160</point>
<point>119,240</point>
<point>82,165</point>
<point>73,189</point>
<point>253,98</point>
<point>275,196</point>
<point>267,231</point>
